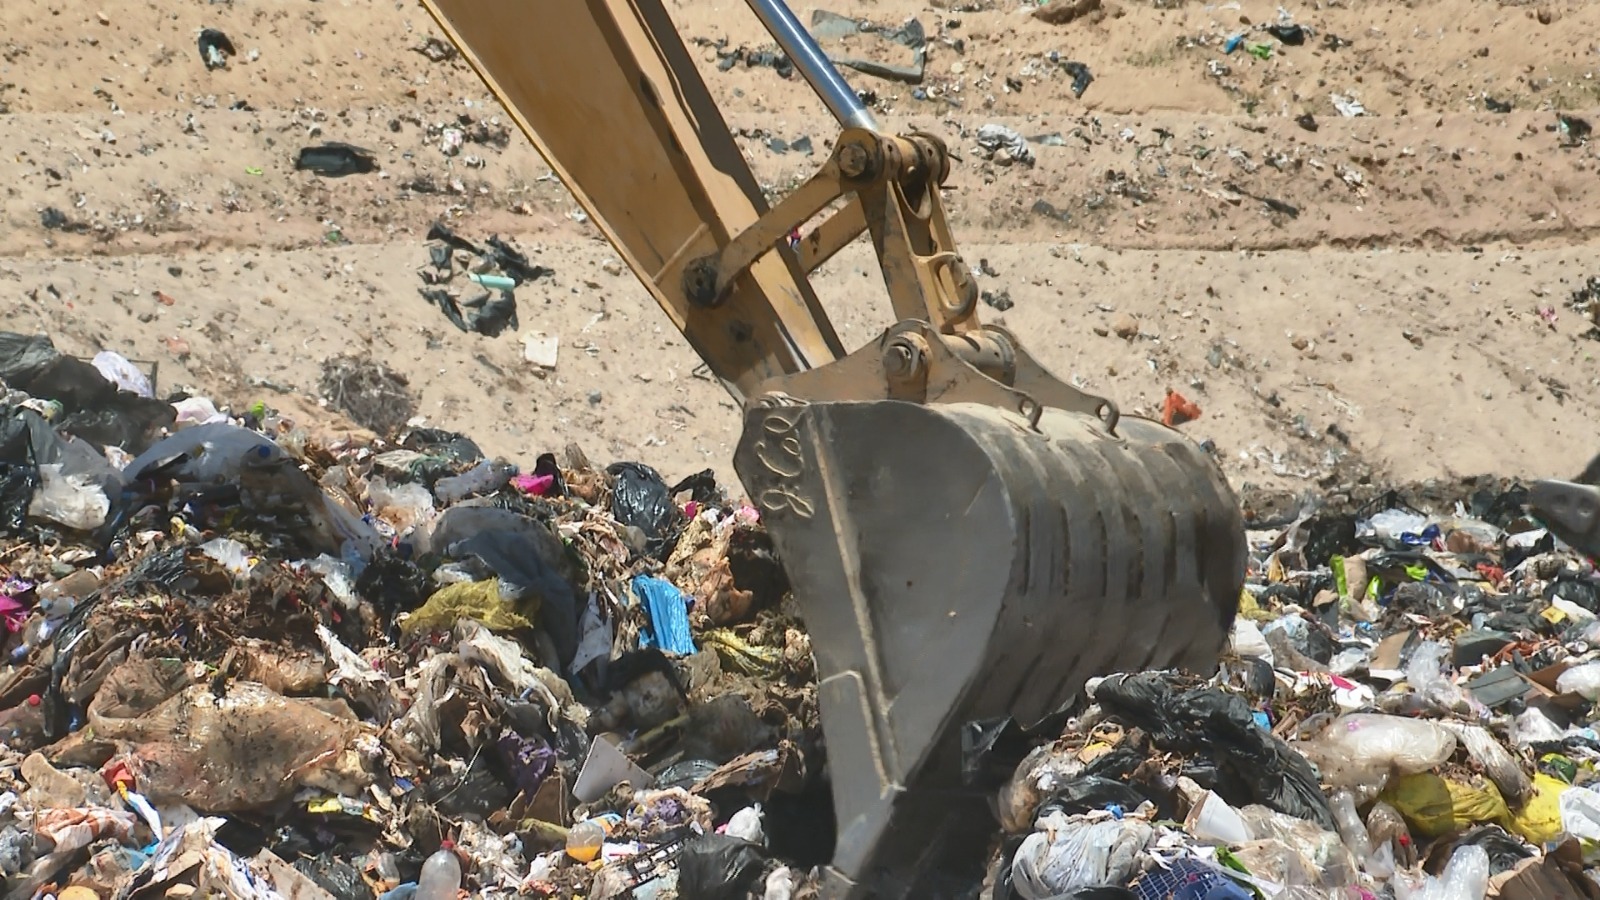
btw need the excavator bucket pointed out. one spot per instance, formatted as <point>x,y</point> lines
<point>1571,511</point>
<point>956,563</point>
<point>969,538</point>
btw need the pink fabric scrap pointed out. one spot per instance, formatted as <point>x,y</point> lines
<point>536,485</point>
<point>12,612</point>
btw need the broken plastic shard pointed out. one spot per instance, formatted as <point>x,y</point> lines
<point>1348,106</point>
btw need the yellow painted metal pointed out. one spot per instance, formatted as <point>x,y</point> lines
<point>609,95</point>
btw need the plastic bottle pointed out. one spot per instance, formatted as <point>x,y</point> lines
<point>585,838</point>
<point>486,477</point>
<point>1351,829</point>
<point>441,874</point>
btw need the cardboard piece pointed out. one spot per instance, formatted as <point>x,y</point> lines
<point>1557,875</point>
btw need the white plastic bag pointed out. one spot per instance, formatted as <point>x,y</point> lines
<point>1583,680</point>
<point>75,501</point>
<point>125,375</point>
<point>1391,523</point>
<point>1534,727</point>
<point>1359,751</point>
<point>746,824</point>
<point>1247,640</point>
<point>1466,877</point>
<point>1072,853</point>
<point>780,884</point>
<point>1580,813</point>
<point>232,555</point>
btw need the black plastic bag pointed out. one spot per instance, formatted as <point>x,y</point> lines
<point>1117,764</point>
<point>719,867</point>
<point>546,465</point>
<point>335,160</point>
<point>96,410</point>
<point>1206,721</point>
<point>702,487</point>
<point>1087,793</point>
<point>494,315</point>
<point>18,481</point>
<point>641,498</point>
<point>438,442</point>
<point>338,878</point>
<point>23,356</point>
<point>124,420</point>
<point>1327,536</point>
<point>1505,851</point>
<point>393,584</point>
<point>478,791</point>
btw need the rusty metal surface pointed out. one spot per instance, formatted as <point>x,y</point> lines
<point>955,564</point>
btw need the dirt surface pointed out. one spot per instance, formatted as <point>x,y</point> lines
<point>1392,286</point>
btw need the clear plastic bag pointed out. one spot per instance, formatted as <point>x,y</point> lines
<point>1497,761</point>
<point>1300,851</point>
<point>400,506</point>
<point>1360,751</point>
<point>1534,727</point>
<point>1037,777</point>
<point>486,477</point>
<point>75,501</point>
<point>1465,877</point>
<point>1074,853</point>
<point>1388,830</point>
<point>1426,675</point>
<point>1583,680</point>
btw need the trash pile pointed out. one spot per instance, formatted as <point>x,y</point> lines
<point>1405,710</point>
<point>242,663</point>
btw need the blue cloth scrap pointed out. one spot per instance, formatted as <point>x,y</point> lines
<point>669,615</point>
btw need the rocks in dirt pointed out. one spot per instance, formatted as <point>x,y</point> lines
<point>1062,12</point>
<point>1125,326</point>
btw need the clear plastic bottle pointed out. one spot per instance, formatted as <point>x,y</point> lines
<point>441,874</point>
<point>585,838</point>
<point>486,477</point>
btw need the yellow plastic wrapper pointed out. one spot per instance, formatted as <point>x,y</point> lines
<point>1434,807</point>
<point>1250,609</point>
<point>478,600</point>
<point>1539,820</point>
<point>741,656</point>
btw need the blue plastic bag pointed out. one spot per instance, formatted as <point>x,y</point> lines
<point>669,615</point>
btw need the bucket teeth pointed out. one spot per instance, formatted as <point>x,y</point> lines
<point>1571,511</point>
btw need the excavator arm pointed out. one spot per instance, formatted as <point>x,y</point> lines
<point>968,537</point>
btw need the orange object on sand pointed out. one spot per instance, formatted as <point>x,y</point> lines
<point>1178,409</point>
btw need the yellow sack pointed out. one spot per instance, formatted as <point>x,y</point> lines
<point>478,600</point>
<point>1539,820</point>
<point>741,656</point>
<point>1434,807</point>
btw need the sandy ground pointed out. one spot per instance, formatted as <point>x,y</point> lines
<point>1392,286</point>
